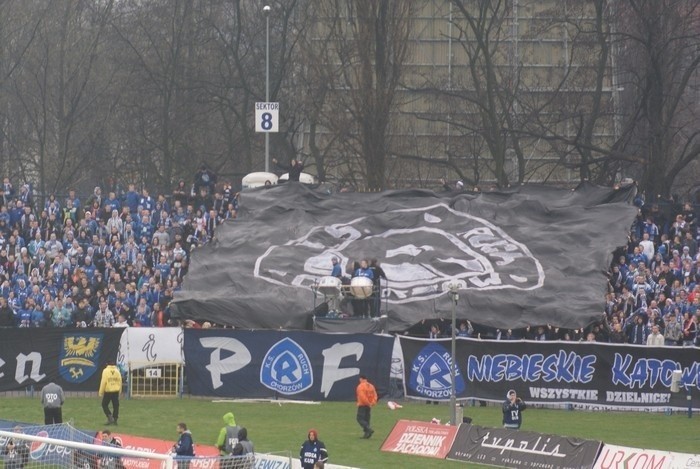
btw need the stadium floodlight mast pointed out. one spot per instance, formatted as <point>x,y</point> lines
<point>453,290</point>
<point>266,12</point>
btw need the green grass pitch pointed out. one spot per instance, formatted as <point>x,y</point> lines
<point>274,427</point>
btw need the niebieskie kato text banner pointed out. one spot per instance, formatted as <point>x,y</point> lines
<point>580,373</point>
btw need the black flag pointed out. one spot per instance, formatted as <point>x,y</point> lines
<point>534,255</point>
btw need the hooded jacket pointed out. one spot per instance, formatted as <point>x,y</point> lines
<point>312,451</point>
<point>111,380</point>
<point>244,445</point>
<point>228,435</point>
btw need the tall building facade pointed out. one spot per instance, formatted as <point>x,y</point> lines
<point>494,91</point>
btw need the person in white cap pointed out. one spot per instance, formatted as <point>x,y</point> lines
<point>513,408</point>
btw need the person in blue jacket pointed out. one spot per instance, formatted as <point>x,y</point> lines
<point>513,408</point>
<point>312,451</point>
<point>184,448</point>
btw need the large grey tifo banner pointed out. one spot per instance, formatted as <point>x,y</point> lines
<point>529,256</point>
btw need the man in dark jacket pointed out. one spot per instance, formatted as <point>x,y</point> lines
<point>204,179</point>
<point>184,448</point>
<point>294,169</point>
<point>312,451</point>
<point>377,275</point>
<point>7,316</point>
<point>244,452</point>
<point>108,460</point>
<point>15,453</point>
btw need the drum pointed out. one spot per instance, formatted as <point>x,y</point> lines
<point>361,287</point>
<point>329,286</point>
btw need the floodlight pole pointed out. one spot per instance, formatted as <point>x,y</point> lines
<point>454,296</point>
<point>266,12</point>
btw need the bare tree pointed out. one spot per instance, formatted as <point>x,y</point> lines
<point>631,66</point>
<point>238,33</point>
<point>576,114</point>
<point>363,69</point>
<point>492,90</point>
<point>19,23</point>
<point>160,116</point>
<point>59,92</point>
<point>150,90</point>
<point>660,55</point>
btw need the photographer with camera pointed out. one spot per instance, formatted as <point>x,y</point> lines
<point>15,454</point>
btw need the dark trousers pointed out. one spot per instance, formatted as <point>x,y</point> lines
<point>363,416</point>
<point>52,415</point>
<point>375,304</point>
<point>360,308</point>
<point>112,397</point>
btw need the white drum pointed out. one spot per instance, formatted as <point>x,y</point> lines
<point>329,286</point>
<point>361,287</point>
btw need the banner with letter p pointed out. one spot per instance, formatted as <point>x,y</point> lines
<point>291,365</point>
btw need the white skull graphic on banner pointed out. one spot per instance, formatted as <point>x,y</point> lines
<point>420,249</point>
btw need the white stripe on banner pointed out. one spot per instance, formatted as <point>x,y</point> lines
<point>397,361</point>
<point>613,457</point>
<point>147,345</point>
<point>264,461</point>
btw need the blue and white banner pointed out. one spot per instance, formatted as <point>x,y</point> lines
<point>289,365</point>
<point>591,374</point>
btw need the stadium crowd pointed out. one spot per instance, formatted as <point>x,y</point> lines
<point>653,295</point>
<point>116,258</point>
<point>654,281</point>
<point>112,259</point>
